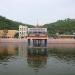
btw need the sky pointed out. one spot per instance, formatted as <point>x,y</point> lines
<point>43,11</point>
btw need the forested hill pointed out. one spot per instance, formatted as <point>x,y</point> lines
<point>66,26</point>
<point>9,24</point>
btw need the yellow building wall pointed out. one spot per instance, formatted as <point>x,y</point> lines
<point>9,34</point>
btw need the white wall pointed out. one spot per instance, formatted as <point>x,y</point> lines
<point>23,31</point>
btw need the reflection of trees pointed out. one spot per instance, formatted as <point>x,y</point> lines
<point>37,58</point>
<point>62,54</point>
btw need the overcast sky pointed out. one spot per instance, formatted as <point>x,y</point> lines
<point>46,11</point>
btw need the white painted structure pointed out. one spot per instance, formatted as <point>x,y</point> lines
<point>37,30</point>
<point>22,31</point>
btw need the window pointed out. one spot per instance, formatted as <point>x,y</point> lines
<point>20,32</point>
<point>24,29</point>
<point>20,29</point>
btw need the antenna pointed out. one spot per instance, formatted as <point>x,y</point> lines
<point>37,23</point>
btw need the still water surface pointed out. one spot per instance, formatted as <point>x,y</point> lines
<point>18,59</point>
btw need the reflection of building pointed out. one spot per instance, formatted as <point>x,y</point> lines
<point>7,33</point>
<point>22,50</point>
<point>22,31</point>
<point>37,58</point>
<point>7,50</point>
<point>11,49</point>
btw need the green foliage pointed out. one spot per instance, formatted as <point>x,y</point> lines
<point>9,24</point>
<point>16,35</point>
<point>66,26</point>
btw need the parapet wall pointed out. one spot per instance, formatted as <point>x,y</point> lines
<point>12,40</point>
<point>61,41</point>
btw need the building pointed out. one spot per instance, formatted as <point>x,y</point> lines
<point>37,36</point>
<point>22,31</point>
<point>7,33</point>
<point>37,31</point>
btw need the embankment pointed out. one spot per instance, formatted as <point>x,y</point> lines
<point>61,41</point>
<point>12,40</point>
<point>50,40</point>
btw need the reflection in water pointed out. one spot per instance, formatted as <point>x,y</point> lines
<point>37,57</point>
<point>62,54</point>
<point>6,51</point>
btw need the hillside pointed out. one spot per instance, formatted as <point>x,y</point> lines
<point>66,26</point>
<point>9,24</point>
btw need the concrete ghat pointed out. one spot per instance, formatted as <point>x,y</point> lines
<point>61,41</point>
<point>12,40</point>
<point>50,41</point>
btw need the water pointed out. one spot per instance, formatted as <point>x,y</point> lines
<point>18,59</point>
